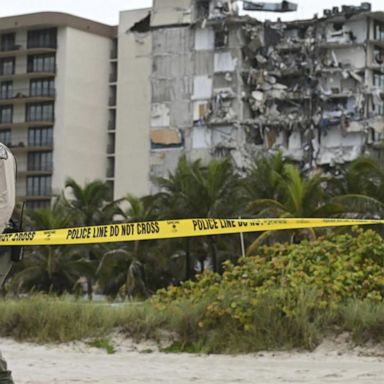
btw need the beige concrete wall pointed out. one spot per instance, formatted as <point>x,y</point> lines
<point>81,113</point>
<point>133,107</point>
<point>170,12</point>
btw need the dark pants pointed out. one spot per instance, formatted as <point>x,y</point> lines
<point>5,375</point>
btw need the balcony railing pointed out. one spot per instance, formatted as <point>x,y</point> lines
<point>22,93</point>
<point>32,44</point>
<point>39,118</point>
<point>38,194</point>
<point>43,167</point>
<point>33,68</point>
<point>22,46</point>
<point>23,147</point>
<point>41,143</point>
<point>29,71</point>
<point>10,47</point>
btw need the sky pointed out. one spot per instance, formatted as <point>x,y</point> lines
<point>107,11</point>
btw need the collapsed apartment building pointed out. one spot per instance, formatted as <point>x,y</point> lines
<point>220,84</point>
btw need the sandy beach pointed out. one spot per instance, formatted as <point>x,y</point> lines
<point>78,363</point>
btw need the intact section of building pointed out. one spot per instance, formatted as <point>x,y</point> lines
<point>131,118</point>
<point>225,85</point>
<point>54,73</point>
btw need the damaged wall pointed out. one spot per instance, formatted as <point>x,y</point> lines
<point>224,85</point>
<point>169,12</point>
<point>172,91</point>
<point>308,83</point>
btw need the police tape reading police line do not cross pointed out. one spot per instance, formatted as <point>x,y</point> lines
<point>153,230</point>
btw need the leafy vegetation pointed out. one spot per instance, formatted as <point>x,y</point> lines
<point>292,289</point>
<point>282,296</point>
<point>271,187</point>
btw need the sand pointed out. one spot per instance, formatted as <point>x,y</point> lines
<point>77,363</point>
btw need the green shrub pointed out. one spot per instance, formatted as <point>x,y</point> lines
<point>287,295</point>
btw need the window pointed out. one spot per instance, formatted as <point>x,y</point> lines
<point>40,161</point>
<point>202,9</point>
<point>221,38</point>
<point>40,137</point>
<point>6,113</point>
<point>43,38</point>
<point>42,87</point>
<point>378,56</point>
<point>8,42</point>
<point>40,112</point>
<point>39,185</point>
<point>7,66</point>
<point>378,80</point>
<point>379,31</point>
<point>6,90</point>
<point>111,168</point>
<point>5,136</point>
<point>41,63</point>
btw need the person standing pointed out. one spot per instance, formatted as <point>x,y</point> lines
<point>7,205</point>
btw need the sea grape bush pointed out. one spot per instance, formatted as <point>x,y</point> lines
<point>290,280</point>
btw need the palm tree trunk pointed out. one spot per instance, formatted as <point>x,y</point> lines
<point>187,258</point>
<point>89,280</point>
<point>212,245</point>
<point>89,288</point>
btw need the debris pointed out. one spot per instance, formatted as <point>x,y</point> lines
<point>312,89</point>
<point>166,137</point>
<point>284,6</point>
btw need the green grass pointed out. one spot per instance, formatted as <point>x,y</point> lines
<point>46,319</point>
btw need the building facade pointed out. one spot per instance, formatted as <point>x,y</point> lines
<point>190,78</point>
<point>225,85</point>
<point>54,95</point>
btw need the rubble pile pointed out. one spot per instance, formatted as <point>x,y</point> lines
<point>313,88</point>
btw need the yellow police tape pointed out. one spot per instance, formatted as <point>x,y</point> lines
<point>166,229</point>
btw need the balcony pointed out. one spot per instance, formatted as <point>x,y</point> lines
<point>23,95</point>
<point>21,147</point>
<point>22,73</point>
<point>49,122</point>
<point>43,169</point>
<point>113,77</point>
<point>34,173</point>
<point>34,198</point>
<point>21,48</point>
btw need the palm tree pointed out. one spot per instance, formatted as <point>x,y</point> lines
<point>297,197</point>
<point>50,268</point>
<point>359,188</point>
<point>194,190</point>
<point>125,267</point>
<point>120,270</point>
<point>90,205</point>
<point>262,180</point>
